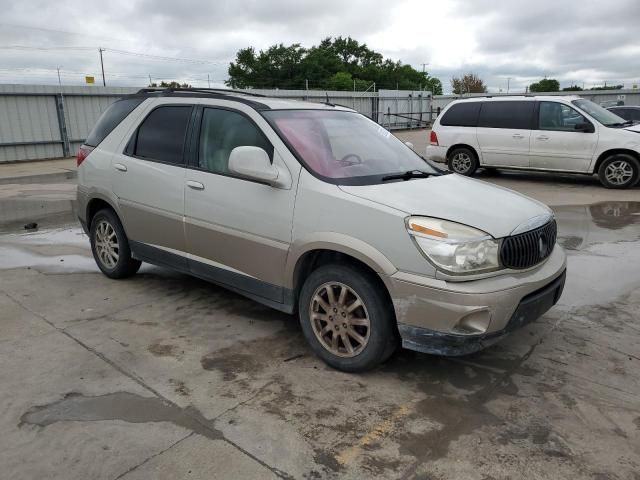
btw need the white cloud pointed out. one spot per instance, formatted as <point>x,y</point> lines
<point>589,43</point>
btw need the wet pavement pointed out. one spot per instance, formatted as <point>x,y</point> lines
<point>166,376</point>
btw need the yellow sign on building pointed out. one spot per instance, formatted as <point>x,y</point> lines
<point>90,80</point>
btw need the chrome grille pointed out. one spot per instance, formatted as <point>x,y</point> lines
<point>530,248</point>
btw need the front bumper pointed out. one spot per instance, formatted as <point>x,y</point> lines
<point>530,308</point>
<point>456,318</point>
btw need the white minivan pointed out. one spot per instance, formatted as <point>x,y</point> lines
<point>546,133</point>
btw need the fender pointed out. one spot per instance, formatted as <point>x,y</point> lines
<point>336,242</point>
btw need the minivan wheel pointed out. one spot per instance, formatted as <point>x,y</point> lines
<point>346,318</point>
<point>110,246</point>
<point>619,171</point>
<point>463,161</point>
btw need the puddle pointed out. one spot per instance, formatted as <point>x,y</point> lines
<point>123,406</point>
<point>63,249</point>
<point>602,241</point>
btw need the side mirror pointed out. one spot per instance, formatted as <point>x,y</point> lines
<point>253,163</point>
<point>410,145</point>
<point>584,127</point>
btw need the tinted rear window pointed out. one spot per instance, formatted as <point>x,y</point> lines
<point>464,114</point>
<point>516,115</point>
<point>111,118</point>
<point>161,135</point>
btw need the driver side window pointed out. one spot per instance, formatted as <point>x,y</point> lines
<point>559,117</point>
<point>221,132</point>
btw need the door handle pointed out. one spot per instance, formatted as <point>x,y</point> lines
<point>517,135</point>
<point>542,137</point>
<point>195,185</point>
<point>119,166</point>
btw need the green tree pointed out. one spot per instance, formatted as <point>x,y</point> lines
<point>608,87</point>
<point>172,84</point>
<point>468,83</point>
<point>335,63</point>
<point>545,85</point>
<point>572,88</point>
<point>434,85</point>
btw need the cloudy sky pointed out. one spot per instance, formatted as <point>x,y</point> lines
<point>587,42</point>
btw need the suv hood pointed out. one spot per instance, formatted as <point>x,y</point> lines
<point>493,209</point>
<point>633,128</point>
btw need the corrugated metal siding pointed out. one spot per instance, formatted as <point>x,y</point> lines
<point>29,116</point>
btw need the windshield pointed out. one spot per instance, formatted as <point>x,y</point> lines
<point>345,147</point>
<point>602,115</point>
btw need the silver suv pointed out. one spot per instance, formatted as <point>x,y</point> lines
<point>314,209</point>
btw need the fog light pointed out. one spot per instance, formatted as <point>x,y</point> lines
<point>473,324</point>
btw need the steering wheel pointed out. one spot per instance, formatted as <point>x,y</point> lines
<point>345,162</point>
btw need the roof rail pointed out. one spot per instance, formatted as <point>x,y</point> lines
<point>497,96</point>
<point>217,91</point>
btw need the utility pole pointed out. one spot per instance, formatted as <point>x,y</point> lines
<point>104,83</point>
<point>59,81</point>
<point>150,81</point>
<point>508,83</point>
<point>306,84</point>
<point>209,80</point>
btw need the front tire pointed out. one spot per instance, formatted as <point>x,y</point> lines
<point>619,171</point>
<point>463,161</point>
<point>110,246</point>
<point>347,318</point>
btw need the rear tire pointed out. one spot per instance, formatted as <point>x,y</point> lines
<point>347,318</point>
<point>619,171</point>
<point>462,160</point>
<point>110,246</point>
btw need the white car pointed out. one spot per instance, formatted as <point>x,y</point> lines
<point>547,133</point>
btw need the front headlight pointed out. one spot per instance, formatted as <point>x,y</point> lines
<point>453,247</point>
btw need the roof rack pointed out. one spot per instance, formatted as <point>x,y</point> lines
<point>223,93</point>
<point>497,96</point>
<point>197,90</point>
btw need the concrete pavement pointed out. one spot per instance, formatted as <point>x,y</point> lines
<point>164,376</point>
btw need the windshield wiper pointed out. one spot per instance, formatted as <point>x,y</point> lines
<point>409,175</point>
<point>620,124</point>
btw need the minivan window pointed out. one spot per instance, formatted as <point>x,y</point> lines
<point>221,132</point>
<point>560,117</point>
<point>161,136</point>
<point>463,114</point>
<point>111,118</point>
<point>345,148</point>
<point>602,115</point>
<point>506,114</point>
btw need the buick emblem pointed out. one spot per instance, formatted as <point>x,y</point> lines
<point>542,246</point>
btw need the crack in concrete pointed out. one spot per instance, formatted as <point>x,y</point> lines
<point>140,382</point>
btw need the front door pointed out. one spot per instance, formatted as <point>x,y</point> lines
<point>504,130</point>
<point>238,231</point>
<point>556,144</point>
<point>149,182</point>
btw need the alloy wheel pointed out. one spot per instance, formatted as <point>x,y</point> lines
<point>618,172</point>
<point>106,244</point>
<point>339,319</point>
<point>461,162</point>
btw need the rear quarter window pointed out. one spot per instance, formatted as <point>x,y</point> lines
<point>111,118</point>
<point>464,114</point>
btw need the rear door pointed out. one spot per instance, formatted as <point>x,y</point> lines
<point>149,182</point>
<point>556,144</point>
<point>238,231</point>
<point>504,131</point>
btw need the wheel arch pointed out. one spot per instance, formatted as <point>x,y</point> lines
<point>334,248</point>
<point>463,145</point>
<point>614,151</point>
